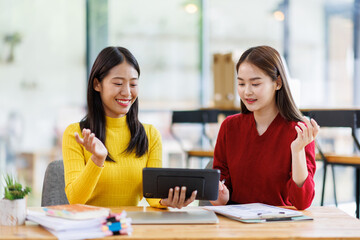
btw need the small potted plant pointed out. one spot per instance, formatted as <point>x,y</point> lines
<point>13,205</point>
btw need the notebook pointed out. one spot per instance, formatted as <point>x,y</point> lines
<point>198,216</point>
<point>76,211</point>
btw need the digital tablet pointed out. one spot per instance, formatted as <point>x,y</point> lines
<point>158,181</point>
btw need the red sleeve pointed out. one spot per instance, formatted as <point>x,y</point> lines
<point>302,197</point>
<point>220,160</point>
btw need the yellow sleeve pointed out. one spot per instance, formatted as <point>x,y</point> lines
<point>81,173</point>
<point>154,159</point>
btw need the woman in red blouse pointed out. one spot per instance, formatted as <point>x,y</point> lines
<point>267,152</point>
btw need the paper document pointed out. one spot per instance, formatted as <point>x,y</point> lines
<point>99,227</point>
<point>66,228</point>
<point>59,224</point>
<point>256,211</point>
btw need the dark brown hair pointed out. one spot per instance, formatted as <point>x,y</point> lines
<point>95,119</point>
<point>269,61</point>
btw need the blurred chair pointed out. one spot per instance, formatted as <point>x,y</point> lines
<point>338,118</point>
<point>53,192</point>
<point>200,117</point>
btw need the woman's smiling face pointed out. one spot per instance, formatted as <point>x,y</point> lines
<point>255,88</point>
<point>118,90</point>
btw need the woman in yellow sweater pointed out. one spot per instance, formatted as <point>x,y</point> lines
<point>105,152</point>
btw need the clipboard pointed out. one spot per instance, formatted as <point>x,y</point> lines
<point>258,212</point>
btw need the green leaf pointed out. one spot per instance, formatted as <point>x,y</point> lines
<point>13,189</point>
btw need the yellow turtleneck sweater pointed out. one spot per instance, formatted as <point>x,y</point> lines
<point>117,183</point>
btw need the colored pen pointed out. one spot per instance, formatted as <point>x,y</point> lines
<point>278,219</point>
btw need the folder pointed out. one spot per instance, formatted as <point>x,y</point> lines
<point>258,212</point>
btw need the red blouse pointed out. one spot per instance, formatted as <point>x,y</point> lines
<point>258,168</point>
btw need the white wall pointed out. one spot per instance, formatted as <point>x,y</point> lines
<point>48,71</point>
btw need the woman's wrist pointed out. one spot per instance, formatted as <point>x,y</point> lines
<point>98,161</point>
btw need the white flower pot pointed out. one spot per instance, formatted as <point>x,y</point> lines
<point>12,212</point>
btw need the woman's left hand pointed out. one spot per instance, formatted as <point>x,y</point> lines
<point>176,199</point>
<point>306,133</point>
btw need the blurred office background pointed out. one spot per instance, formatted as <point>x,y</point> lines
<point>48,46</point>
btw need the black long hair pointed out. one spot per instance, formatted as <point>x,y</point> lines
<point>95,119</point>
<point>269,61</point>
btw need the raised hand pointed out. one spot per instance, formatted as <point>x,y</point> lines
<point>176,199</point>
<point>306,133</point>
<point>93,145</point>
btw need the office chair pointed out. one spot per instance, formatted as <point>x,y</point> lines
<point>339,119</point>
<point>53,192</point>
<point>201,117</point>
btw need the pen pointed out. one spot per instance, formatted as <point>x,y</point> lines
<point>271,215</point>
<point>278,219</point>
<point>223,181</point>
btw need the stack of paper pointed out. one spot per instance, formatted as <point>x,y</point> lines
<point>65,225</point>
<point>68,229</point>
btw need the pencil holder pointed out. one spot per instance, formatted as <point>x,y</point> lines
<point>12,212</point>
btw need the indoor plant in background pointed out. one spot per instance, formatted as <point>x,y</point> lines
<point>13,205</point>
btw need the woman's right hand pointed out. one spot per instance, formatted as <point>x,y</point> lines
<point>93,145</point>
<point>223,197</point>
<point>177,198</point>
